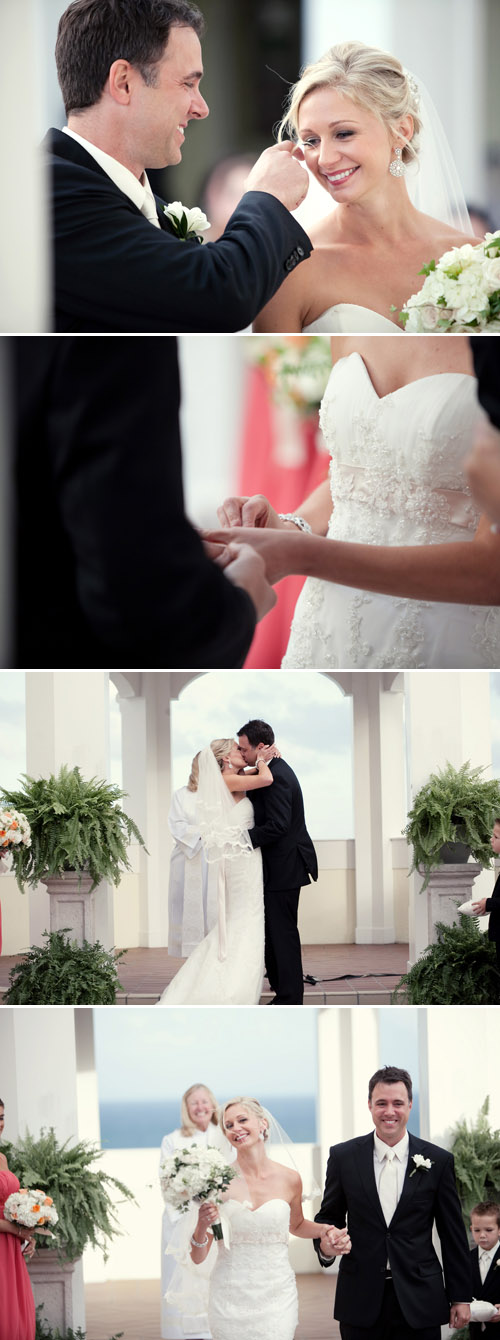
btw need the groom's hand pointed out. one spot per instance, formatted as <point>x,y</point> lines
<point>281,551</point>
<point>245,568</point>
<point>459,1315</point>
<point>279,173</point>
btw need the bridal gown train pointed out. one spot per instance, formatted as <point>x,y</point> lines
<point>204,978</point>
<point>253,1295</point>
<point>396,479</point>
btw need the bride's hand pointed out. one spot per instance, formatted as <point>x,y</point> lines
<point>268,752</point>
<point>271,545</point>
<point>256,511</point>
<point>207,1215</point>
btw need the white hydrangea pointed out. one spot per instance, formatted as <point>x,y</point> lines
<point>190,1173</point>
<point>31,1208</point>
<point>456,293</point>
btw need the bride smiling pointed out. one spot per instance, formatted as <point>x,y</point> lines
<point>357,117</point>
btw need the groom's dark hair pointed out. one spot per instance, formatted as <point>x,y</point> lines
<point>391,1074</point>
<point>94,33</point>
<point>257,732</point>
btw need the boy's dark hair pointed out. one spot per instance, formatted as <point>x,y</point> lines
<point>487,1207</point>
<point>94,33</point>
<point>391,1074</point>
<point>257,732</point>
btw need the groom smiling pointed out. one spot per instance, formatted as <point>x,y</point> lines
<point>130,73</point>
<point>288,860</point>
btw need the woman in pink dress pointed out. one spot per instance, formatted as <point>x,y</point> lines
<point>17,1305</point>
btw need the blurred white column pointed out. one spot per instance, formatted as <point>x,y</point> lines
<point>447,720</point>
<point>24,240</point>
<point>39,1087</point>
<point>67,721</point>
<point>348,1053</point>
<point>458,1067</point>
<point>378,802</point>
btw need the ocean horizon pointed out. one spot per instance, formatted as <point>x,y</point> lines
<point>142,1125</point>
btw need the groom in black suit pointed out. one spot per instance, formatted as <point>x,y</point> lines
<point>395,1188</point>
<point>129,74</point>
<point>289,861</point>
<point>109,572</point>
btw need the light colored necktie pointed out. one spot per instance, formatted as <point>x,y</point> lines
<point>388,1186</point>
<point>148,208</point>
<point>484,1265</point>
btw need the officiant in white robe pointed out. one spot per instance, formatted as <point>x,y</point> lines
<point>192,892</point>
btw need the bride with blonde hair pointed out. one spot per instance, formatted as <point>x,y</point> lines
<point>227,967</point>
<point>369,135</point>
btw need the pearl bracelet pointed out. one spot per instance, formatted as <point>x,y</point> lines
<point>298,521</point>
<point>199,1244</point>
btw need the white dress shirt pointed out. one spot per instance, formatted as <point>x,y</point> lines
<point>139,192</point>
<point>401,1152</point>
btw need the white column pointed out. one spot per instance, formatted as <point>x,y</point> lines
<point>447,720</point>
<point>67,716</point>
<point>379,810</point>
<point>146,778</point>
<point>24,239</point>
<point>459,1051</point>
<point>348,1053</point>
<point>39,1086</point>
<point>444,43</point>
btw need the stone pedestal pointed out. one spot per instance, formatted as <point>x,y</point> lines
<point>52,1283</point>
<point>72,905</point>
<point>448,887</point>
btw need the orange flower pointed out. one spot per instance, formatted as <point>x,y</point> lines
<point>48,1200</point>
<point>35,1208</point>
<point>23,1190</point>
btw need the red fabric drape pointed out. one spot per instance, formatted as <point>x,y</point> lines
<point>286,477</point>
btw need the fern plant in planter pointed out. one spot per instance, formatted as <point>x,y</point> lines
<point>44,1331</point>
<point>62,972</point>
<point>454,805</point>
<point>476,1151</point>
<point>81,1191</point>
<point>75,825</point>
<point>460,969</point>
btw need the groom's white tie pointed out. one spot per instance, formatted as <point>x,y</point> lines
<point>388,1186</point>
<point>148,207</point>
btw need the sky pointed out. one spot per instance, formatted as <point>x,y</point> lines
<point>146,1055</point>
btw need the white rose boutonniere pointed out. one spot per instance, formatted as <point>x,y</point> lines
<point>421,1163</point>
<point>188,224</point>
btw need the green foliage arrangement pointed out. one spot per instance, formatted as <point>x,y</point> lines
<point>64,973</point>
<point>75,825</point>
<point>453,806</point>
<point>476,1150</point>
<point>460,969</point>
<point>43,1331</point>
<point>80,1191</point>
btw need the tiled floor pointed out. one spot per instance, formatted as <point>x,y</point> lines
<point>145,972</point>
<point>132,1306</point>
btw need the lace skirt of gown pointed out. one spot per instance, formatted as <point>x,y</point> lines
<point>253,1294</point>
<point>205,979</point>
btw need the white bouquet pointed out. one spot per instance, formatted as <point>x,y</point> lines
<point>193,1175</point>
<point>31,1209</point>
<point>461,292</point>
<point>14,829</point>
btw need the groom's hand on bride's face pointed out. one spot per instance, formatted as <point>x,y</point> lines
<point>255,511</point>
<point>278,172</point>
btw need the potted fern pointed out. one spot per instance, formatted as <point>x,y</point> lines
<point>87,1205</point>
<point>79,836</point>
<point>452,818</point>
<point>476,1151</point>
<point>459,969</point>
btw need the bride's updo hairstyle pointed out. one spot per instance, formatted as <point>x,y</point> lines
<point>220,750</point>
<point>370,77</point>
<point>251,1105</point>
<point>194,775</point>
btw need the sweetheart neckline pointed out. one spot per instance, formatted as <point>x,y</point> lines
<point>246,1204</point>
<point>431,376</point>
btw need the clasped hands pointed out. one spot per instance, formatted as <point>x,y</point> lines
<point>334,1241</point>
<point>250,521</point>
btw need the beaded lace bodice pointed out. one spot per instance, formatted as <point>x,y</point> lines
<point>397,479</point>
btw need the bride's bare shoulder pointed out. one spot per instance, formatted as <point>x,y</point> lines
<point>445,237</point>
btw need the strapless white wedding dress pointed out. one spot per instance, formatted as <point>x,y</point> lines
<point>396,479</point>
<point>253,1295</point>
<point>204,978</point>
<point>348,319</point>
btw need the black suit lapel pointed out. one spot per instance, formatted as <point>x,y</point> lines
<point>412,1174</point>
<point>366,1172</point>
<point>493,1270</point>
<point>164,221</point>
